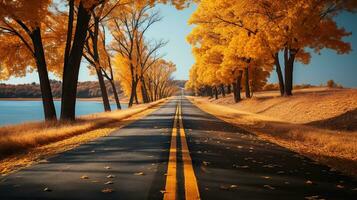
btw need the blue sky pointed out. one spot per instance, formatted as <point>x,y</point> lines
<point>174,28</point>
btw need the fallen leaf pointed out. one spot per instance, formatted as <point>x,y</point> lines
<point>107,190</point>
<point>111,176</point>
<point>241,166</point>
<point>205,163</point>
<point>139,173</point>
<point>233,186</point>
<point>269,187</point>
<point>84,177</point>
<point>108,183</point>
<point>315,197</point>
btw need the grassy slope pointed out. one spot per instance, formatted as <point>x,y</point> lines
<point>23,144</point>
<point>319,123</point>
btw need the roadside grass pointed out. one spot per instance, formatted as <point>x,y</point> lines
<point>21,145</point>
<point>335,148</point>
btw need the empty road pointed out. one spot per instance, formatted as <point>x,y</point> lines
<point>178,152</point>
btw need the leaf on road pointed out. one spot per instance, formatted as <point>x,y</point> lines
<point>205,163</point>
<point>111,176</point>
<point>47,189</point>
<point>228,187</point>
<point>84,177</point>
<point>315,197</point>
<point>139,174</point>
<point>241,166</point>
<point>269,187</point>
<point>107,190</point>
<point>108,183</point>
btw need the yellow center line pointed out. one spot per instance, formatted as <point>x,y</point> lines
<point>191,187</point>
<point>171,182</point>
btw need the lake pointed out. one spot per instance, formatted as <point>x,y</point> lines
<point>14,112</point>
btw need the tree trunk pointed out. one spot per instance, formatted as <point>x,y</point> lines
<point>210,92</point>
<point>279,73</point>
<point>103,90</point>
<point>237,87</point>
<point>222,90</point>
<point>215,92</point>
<point>247,88</point>
<point>116,96</point>
<point>289,57</point>
<point>46,92</point>
<point>144,92</point>
<point>229,89</point>
<point>132,93</point>
<point>136,97</point>
<point>71,68</point>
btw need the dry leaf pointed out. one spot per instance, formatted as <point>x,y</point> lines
<point>269,187</point>
<point>205,163</point>
<point>84,177</point>
<point>139,173</point>
<point>111,176</point>
<point>107,190</point>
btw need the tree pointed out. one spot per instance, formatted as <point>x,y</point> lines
<point>128,31</point>
<point>22,33</point>
<point>255,32</point>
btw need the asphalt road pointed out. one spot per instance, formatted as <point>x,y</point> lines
<point>132,163</point>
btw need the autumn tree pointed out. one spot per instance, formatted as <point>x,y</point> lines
<point>24,28</point>
<point>257,31</point>
<point>128,29</point>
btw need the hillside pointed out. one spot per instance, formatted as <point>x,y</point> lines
<point>88,89</point>
<point>320,123</point>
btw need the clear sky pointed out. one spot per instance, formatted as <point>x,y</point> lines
<point>174,28</point>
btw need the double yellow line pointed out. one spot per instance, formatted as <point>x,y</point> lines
<point>191,188</point>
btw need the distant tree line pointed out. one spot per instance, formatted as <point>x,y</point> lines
<point>87,89</point>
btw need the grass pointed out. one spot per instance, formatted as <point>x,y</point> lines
<point>336,148</point>
<point>21,145</point>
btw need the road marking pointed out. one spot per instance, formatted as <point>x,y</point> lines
<point>171,182</point>
<point>191,187</point>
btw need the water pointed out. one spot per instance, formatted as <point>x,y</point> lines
<point>14,112</point>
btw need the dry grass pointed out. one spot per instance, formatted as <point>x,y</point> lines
<point>336,148</point>
<point>22,145</point>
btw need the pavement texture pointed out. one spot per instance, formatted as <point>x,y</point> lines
<point>131,163</point>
